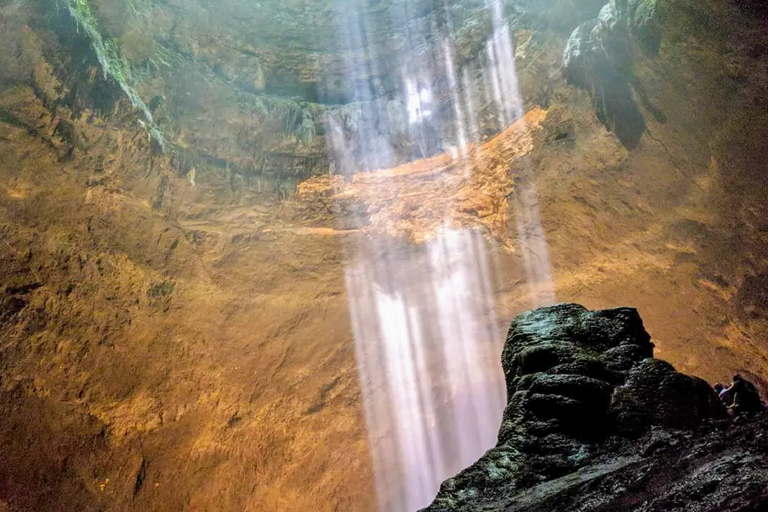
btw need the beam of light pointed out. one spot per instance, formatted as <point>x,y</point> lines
<point>531,239</point>
<point>427,352</point>
<point>532,242</point>
<point>423,315</point>
<point>469,101</point>
<point>458,111</point>
<point>501,63</point>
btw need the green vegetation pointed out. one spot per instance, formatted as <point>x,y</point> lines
<point>140,10</point>
<point>112,65</point>
<point>137,59</point>
<point>306,131</point>
<point>349,115</point>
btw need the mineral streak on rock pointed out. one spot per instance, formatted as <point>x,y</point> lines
<point>594,422</point>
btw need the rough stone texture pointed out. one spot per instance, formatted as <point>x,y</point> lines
<point>238,85</point>
<point>593,422</point>
<point>204,329</point>
<point>598,57</point>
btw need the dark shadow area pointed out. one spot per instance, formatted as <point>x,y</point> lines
<point>75,59</point>
<point>611,92</point>
<point>617,109</point>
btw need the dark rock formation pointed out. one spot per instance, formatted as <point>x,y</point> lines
<point>594,422</point>
<point>598,57</point>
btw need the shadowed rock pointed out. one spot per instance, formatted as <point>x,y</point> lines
<point>598,57</point>
<point>593,422</point>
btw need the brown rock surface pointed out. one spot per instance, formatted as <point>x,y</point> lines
<point>169,346</point>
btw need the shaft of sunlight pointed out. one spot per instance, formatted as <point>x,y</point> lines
<point>423,315</point>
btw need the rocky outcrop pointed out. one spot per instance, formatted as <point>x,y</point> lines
<point>594,422</point>
<point>265,88</point>
<point>598,56</point>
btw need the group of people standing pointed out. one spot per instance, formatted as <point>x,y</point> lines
<point>740,398</point>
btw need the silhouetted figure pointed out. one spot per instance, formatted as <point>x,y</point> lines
<point>724,395</point>
<point>746,399</point>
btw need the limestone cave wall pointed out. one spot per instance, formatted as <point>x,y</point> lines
<point>174,329</point>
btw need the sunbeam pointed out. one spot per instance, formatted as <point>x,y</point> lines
<point>423,315</point>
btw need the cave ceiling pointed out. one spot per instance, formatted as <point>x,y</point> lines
<point>309,49</point>
<point>227,82</point>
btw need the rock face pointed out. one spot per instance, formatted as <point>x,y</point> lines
<point>191,332</point>
<point>598,57</point>
<point>594,422</point>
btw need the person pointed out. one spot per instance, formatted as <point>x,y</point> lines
<point>723,394</point>
<point>746,399</point>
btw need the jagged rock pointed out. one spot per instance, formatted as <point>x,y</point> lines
<point>594,422</point>
<point>598,55</point>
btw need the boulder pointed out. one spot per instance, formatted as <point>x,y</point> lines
<point>594,422</point>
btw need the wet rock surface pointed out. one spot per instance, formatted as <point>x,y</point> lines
<point>594,423</point>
